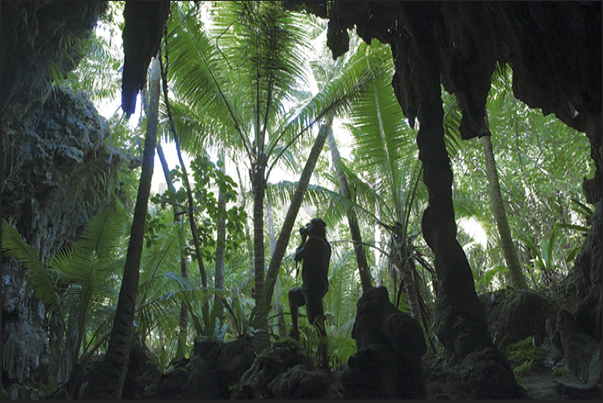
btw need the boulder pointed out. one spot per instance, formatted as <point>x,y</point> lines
<point>515,315</point>
<point>143,374</point>
<point>483,374</point>
<point>582,352</point>
<point>210,373</point>
<point>390,345</point>
<point>270,363</point>
<point>301,383</point>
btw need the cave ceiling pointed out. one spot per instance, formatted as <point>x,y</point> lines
<point>553,48</point>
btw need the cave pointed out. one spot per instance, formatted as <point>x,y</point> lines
<point>52,148</point>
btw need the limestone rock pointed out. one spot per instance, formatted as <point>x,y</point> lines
<point>390,344</point>
<point>300,383</point>
<point>515,315</point>
<point>211,373</point>
<point>270,363</point>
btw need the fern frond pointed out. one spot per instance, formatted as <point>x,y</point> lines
<point>41,279</point>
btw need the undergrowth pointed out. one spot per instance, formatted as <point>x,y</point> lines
<point>339,348</point>
<point>525,352</point>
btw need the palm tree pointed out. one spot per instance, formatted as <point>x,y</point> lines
<point>380,131</point>
<point>506,241</point>
<point>242,102</point>
<point>112,376</point>
<point>183,255</point>
<point>344,189</point>
<point>249,82</point>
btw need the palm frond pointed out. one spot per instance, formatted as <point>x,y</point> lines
<point>340,301</point>
<point>196,69</point>
<point>335,97</point>
<point>338,205</point>
<point>103,233</point>
<point>87,270</point>
<point>289,157</point>
<point>194,134</point>
<point>42,279</point>
<point>452,123</point>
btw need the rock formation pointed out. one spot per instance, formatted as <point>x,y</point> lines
<point>390,345</point>
<point>56,166</point>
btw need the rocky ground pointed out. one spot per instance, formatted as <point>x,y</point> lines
<point>555,382</point>
<point>284,371</point>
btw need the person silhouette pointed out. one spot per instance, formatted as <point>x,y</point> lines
<point>315,251</point>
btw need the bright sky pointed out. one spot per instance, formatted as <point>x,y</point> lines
<point>106,110</point>
<point>159,184</point>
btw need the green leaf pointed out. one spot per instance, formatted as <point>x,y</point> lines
<point>41,279</point>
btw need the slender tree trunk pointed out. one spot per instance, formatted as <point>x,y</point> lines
<point>506,241</point>
<point>187,185</point>
<point>270,218</point>
<point>183,331</point>
<point>189,193</point>
<point>258,236</point>
<point>244,202</point>
<point>404,265</point>
<point>280,319</point>
<point>298,196</point>
<point>378,247</point>
<point>260,341</point>
<point>220,243</point>
<point>363,269</point>
<point>113,371</point>
<point>412,293</point>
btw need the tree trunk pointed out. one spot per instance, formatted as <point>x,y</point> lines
<point>410,287</point>
<point>261,339</point>
<point>379,279</point>
<point>363,269</point>
<point>220,243</point>
<point>506,241</point>
<point>189,193</point>
<point>298,196</point>
<point>280,319</point>
<point>180,350</point>
<point>258,237</point>
<point>115,364</point>
<point>244,203</point>
<point>404,268</point>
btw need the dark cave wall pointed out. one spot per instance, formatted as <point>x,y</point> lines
<point>50,191</point>
<point>39,37</point>
<point>56,166</point>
